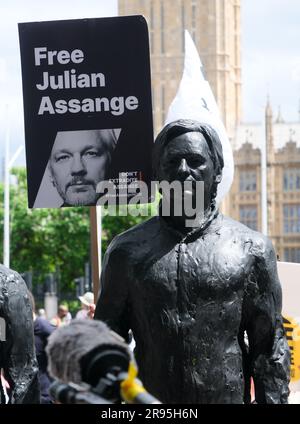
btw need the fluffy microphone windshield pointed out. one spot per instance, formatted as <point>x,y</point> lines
<point>69,344</point>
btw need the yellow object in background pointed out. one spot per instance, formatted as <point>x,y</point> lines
<point>292,329</point>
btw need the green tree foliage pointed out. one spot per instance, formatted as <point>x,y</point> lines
<point>45,240</point>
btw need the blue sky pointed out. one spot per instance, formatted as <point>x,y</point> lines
<point>271,57</point>
<point>270,53</point>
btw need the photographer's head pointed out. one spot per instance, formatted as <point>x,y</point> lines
<point>79,161</point>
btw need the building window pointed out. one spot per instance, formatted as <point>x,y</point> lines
<point>163,104</point>
<point>152,27</point>
<point>292,254</point>
<point>247,181</point>
<point>291,179</point>
<point>248,216</point>
<point>162,28</point>
<point>194,21</point>
<point>153,105</point>
<point>291,219</point>
<point>152,96</point>
<point>182,27</point>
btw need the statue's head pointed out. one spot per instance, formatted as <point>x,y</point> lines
<point>189,150</point>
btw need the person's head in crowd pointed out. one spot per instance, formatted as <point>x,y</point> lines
<point>86,300</point>
<point>62,317</point>
<point>87,306</point>
<point>79,161</point>
<point>62,311</point>
<point>42,313</point>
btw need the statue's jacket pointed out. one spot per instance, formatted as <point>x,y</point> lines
<point>204,308</point>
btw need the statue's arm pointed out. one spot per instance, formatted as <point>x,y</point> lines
<point>269,355</point>
<point>113,303</point>
<point>20,364</point>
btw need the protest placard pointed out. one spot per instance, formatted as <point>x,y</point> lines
<point>87,108</point>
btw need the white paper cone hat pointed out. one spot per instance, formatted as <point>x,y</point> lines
<point>195,100</point>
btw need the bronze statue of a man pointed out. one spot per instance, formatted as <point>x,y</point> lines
<point>17,352</point>
<point>204,302</point>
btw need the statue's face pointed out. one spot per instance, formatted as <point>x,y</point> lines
<point>185,158</point>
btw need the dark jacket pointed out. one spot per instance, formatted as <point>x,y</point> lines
<point>42,330</point>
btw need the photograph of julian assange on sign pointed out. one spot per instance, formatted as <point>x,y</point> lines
<point>87,108</point>
<point>79,160</point>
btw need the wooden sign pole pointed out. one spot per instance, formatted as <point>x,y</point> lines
<point>95,231</point>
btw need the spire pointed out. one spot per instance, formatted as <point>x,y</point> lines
<point>268,110</point>
<point>269,129</point>
<point>248,136</point>
<point>279,119</point>
<point>292,133</point>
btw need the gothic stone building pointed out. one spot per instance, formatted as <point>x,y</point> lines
<point>283,181</point>
<point>215,27</point>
